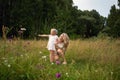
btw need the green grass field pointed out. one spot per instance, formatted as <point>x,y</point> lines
<point>91,59</point>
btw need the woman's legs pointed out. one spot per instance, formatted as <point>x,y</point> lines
<point>61,52</point>
<point>52,52</point>
<point>63,56</point>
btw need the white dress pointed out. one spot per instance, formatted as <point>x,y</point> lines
<point>60,45</point>
<point>51,42</point>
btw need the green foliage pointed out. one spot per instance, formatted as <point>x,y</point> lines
<point>113,22</point>
<point>90,23</point>
<point>39,16</point>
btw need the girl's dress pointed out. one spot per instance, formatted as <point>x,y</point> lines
<point>51,42</point>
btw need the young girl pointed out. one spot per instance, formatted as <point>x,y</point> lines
<point>61,46</point>
<point>51,43</point>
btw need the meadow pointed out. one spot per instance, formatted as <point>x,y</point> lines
<point>89,59</point>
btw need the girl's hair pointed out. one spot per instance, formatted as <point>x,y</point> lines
<point>66,39</point>
<point>53,29</point>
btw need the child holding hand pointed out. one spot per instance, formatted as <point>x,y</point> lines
<point>51,43</point>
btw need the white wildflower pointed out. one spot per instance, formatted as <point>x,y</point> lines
<point>21,55</point>
<point>52,63</point>
<point>96,70</point>
<point>67,74</point>
<point>44,57</point>
<point>40,52</point>
<point>6,61</point>
<point>111,73</point>
<point>9,65</point>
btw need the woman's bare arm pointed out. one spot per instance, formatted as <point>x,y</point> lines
<point>43,35</point>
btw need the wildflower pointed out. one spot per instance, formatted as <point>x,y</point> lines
<point>40,52</point>
<point>57,62</point>
<point>21,55</point>
<point>67,74</point>
<point>111,73</point>
<point>6,61</point>
<point>52,63</point>
<point>44,57</point>
<point>9,65</point>
<point>96,70</point>
<point>58,75</point>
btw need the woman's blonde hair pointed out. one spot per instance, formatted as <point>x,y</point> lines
<point>66,39</point>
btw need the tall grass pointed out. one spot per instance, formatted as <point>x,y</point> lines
<point>93,59</point>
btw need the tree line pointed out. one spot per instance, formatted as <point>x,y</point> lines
<point>113,22</point>
<point>39,16</point>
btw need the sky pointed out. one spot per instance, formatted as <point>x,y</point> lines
<point>102,6</point>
